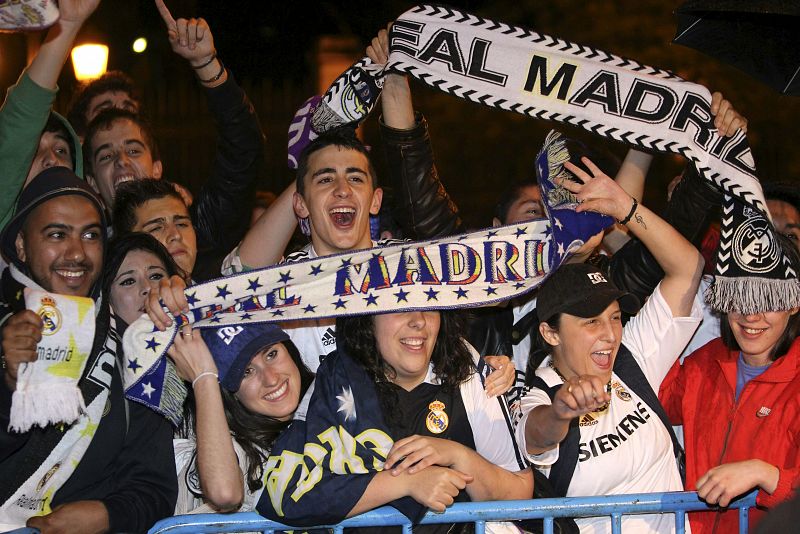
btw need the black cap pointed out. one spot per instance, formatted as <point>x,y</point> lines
<point>581,290</point>
<point>50,183</point>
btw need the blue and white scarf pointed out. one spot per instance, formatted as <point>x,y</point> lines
<point>469,270</point>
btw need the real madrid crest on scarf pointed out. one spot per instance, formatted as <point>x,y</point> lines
<point>437,419</point>
<point>752,273</point>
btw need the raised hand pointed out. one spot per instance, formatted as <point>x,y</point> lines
<point>378,50</point>
<point>191,355</point>
<point>396,104</point>
<point>580,395</point>
<point>726,119</point>
<point>189,38</point>
<point>76,11</point>
<point>170,290</point>
<point>21,333</point>
<point>597,192</point>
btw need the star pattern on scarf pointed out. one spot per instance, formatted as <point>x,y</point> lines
<point>347,404</point>
<point>371,300</point>
<point>223,292</point>
<point>253,285</point>
<point>431,293</point>
<point>152,344</point>
<point>285,277</point>
<point>491,291</point>
<point>461,292</point>
<point>521,231</point>
<point>134,364</point>
<point>309,309</point>
<point>340,304</point>
<point>316,270</point>
<point>192,299</point>
<point>148,389</point>
<point>561,250</point>
<point>402,296</point>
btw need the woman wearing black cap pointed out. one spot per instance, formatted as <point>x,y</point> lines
<point>592,421</point>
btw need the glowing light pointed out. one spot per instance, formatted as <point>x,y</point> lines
<point>139,45</point>
<point>89,61</point>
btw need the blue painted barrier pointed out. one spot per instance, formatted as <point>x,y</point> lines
<point>614,506</point>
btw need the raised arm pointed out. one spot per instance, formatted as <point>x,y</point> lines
<point>426,210</point>
<point>221,478</point>
<point>47,65</point>
<point>265,241</point>
<point>681,262</point>
<point>221,212</point>
<point>25,111</point>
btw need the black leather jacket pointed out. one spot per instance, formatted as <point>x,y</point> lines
<point>424,210</point>
<point>221,211</point>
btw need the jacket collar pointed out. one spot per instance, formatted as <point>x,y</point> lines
<point>784,369</point>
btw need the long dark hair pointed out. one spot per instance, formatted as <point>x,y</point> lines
<point>452,360</point>
<point>254,432</point>
<point>792,329</point>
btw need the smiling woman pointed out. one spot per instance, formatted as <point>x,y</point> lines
<point>247,382</point>
<point>727,395</point>
<point>591,420</point>
<point>451,441</point>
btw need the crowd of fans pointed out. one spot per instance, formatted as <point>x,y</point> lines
<point>570,390</point>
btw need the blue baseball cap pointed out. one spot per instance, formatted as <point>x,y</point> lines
<point>232,348</point>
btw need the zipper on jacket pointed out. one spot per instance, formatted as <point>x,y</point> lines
<point>718,515</point>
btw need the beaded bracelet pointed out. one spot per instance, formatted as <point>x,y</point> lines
<point>218,76</point>
<point>207,63</point>
<point>204,373</point>
<point>627,219</point>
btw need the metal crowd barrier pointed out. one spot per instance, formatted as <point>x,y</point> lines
<point>615,506</point>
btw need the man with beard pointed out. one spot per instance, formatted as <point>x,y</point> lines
<point>123,477</point>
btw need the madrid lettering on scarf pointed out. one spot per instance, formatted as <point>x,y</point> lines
<point>509,68</point>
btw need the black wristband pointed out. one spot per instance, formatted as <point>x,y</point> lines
<point>627,219</point>
<point>217,76</point>
<point>207,63</point>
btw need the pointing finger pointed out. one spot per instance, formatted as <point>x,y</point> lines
<point>165,14</point>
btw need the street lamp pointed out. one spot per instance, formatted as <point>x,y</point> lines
<point>89,61</point>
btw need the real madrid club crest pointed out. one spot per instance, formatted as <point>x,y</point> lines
<point>754,247</point>
<point>437,419</point>
<point>51,317</point>
<point>621,392</point>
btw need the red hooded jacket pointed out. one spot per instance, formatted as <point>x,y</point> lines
<point>763,424</point>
